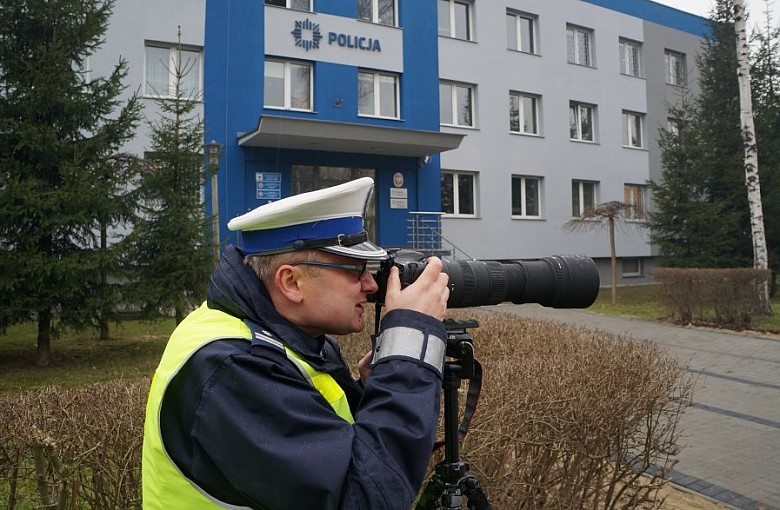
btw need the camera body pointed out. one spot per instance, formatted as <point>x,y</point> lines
<point>570,281</point>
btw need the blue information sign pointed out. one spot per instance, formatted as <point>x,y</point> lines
<point>269,185</point>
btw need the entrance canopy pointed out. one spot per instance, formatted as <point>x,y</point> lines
<point>320,135</point>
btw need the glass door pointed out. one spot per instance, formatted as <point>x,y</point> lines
<point>310,178</point>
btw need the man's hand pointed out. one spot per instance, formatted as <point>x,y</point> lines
<point>428,294</point>
<point>364,367</point>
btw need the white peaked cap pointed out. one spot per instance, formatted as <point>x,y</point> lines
<point>329,219</point>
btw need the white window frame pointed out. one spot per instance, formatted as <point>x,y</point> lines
<point>170,70</point>
<point>635,197</point>
<point>630,58</point>
<point>455,176</point>
<point>377,80</point>
<point>84,69</point>
<point>575,53</point>
<point>524,180</point>
<point>454,103</point>
<point>374,5</point>
<point>577,111</point>
<point>516,99</point>
<point>673,126</point>
<point>578,196</point>
<point>674,68</point>
<point>288,84</point>
<point>448,27</point>
<point>633,129</point>
<point>291,4</point>
<point>518,24</point>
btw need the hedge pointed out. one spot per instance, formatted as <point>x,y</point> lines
<point>568,418</point>
<point>721,297</point>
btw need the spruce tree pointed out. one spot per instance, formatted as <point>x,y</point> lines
<point>169,246</point>
<point>702,217</point>
<point>684,220</point>
<point>59,126</point>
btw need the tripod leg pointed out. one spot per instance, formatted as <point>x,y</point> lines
<point>477,499</point>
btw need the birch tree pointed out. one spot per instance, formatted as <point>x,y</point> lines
<point>760,257</point>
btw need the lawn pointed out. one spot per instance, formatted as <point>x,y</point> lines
<point>78,358</point>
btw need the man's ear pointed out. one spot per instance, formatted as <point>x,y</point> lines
<point>287,282</point>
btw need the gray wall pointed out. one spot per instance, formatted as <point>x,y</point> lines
<point>490,150</point>
<point>132,24</point>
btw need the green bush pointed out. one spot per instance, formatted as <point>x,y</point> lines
<point>721,297</point>
<point>568,418</point>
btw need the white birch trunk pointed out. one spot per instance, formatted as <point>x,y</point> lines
<point>760,256</point>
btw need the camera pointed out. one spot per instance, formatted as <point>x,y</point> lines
<point>570,281</point>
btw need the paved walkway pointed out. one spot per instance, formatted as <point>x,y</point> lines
<point>732,433</point>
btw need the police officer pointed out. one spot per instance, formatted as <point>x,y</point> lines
<point>252,405</point>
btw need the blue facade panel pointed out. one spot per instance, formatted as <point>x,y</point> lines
<point>658,13</point>
<point>234,74</point>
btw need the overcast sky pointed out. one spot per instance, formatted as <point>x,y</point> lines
<point>756,8</point>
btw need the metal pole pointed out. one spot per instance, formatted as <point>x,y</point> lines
<point>215,212</point>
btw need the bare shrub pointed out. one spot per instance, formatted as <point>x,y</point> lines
<point>70,449</point>
<point>723,297</point>
<point>569,418</point>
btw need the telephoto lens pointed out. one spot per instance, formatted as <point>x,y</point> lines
<point>570,281</point>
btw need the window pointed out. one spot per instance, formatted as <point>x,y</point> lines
<point>521,32</point>
<point>630,63</point>
<point>458,193</point>
<point>303,5</point>
<point>288,85</point>
<point>526,192</point>
<point>378,94</point>
<point>583,197</point>
<point>581,121</point>
<point>634,198</point>
<point>631,267</point>
<point>579,45</point>
<point>675,67</point>
<point>377,11</point>
<point>523,113</point>
<point>632,129</point>
<point>455,19</point>
<point>673,126</point>
<point>84,68</point>
<point>164,62</point>
<point>456,104</point>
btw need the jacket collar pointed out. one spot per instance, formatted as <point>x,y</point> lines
<point>237,291</point>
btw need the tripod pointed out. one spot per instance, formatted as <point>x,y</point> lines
<point>451,482</point>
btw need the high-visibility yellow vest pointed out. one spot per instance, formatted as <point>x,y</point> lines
<point>164,486</point>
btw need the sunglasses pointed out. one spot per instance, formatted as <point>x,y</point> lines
<point>358,269</point>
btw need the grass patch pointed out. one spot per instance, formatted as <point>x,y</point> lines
<point>641,301</point>
<point>79,358</point>
<point>644,302</point>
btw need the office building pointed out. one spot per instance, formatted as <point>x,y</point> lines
<point>487,126</point>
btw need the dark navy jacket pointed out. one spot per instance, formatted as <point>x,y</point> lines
<point>248,427</point>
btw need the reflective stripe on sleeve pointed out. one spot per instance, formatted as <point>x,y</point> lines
<point>411,343</point>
